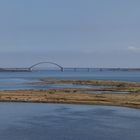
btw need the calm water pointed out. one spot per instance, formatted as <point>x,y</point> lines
<point>24,121</point>
<point>20,80</point>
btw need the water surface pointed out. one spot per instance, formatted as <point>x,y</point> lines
<point>21,80</point>
<point>31,121</point>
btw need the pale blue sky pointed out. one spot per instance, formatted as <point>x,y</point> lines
<point>83,33</point>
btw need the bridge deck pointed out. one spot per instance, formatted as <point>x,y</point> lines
<point>15,70</point>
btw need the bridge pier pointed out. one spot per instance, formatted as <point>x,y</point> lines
<point>62,69</point>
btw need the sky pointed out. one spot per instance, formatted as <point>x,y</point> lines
<point>72,33</point>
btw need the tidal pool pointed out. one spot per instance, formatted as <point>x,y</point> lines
<point>37,121</point>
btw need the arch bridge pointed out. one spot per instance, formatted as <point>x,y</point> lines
<point>31,67</point>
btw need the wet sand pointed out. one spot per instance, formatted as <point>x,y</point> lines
<point>104,96</point>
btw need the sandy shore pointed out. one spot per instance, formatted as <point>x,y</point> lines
<point>80,96</point>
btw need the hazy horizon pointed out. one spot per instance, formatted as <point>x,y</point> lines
<point>79,33</point>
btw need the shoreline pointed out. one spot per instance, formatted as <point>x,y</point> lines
<point>71,96</point>
<point>125,94</point>
<point>72,103</point>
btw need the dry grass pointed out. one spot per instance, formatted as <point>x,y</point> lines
<point>71,96</point>
<point>80,96</point>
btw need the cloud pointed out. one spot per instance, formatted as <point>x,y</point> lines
<point>134,49</point>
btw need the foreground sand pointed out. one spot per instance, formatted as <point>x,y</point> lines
<point>80,96</point>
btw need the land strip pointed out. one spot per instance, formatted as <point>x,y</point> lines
<point>80,96</point>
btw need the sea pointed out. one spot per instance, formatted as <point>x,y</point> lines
<point>23,80</point>
<point>45,121</point>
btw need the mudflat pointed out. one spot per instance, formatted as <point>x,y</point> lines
<point>125,94</point>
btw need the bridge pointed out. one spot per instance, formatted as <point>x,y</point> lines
<point>29,69</point>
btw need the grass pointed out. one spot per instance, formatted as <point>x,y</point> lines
<point>80,96</point>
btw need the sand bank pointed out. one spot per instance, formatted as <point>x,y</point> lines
<point>80,96</point>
